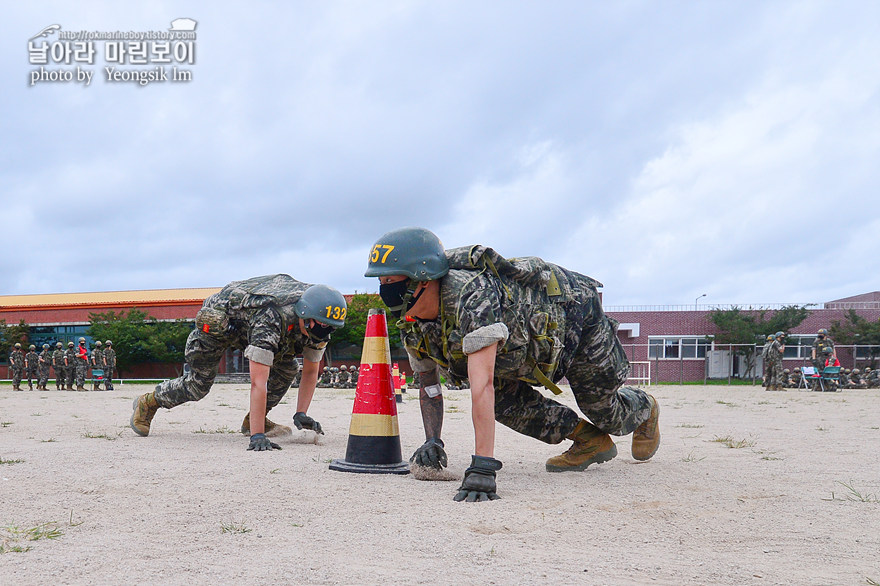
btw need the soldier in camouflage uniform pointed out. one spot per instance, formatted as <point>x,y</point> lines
<point>325,377</point>
<point>844,378</point>
<point>32,366</point>
<point>830,360</point>
<point>81,364</point>
<point>821,342</point>
<point>856,380</point>
<point>872,377</point>
<point>507,327</point>
<point>796,377</point>
<point>70,364</point>
<point>774,362</point>
<point>786,378</point>
<point>96,361</point>
<point>16,364</point>
<point>764,351</point>
<point>109,364</point>
<point>343,377</point>
<point>272,319</point>
<point>353,376</point>
<point>45,361</point>
<point>58,365</point>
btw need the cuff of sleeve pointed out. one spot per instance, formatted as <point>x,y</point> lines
<point>313,354</point>
<point>484,336</point>
<point>421,365</point>
<point>259,355</point>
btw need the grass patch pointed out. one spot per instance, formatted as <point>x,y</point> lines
<point>731,443</point>
<point>820,428</point>
<point>235,527</point>
<point>452,409</point>
<point>720,402</point>
<point>691,458</point>
<point>690,425</point>
<point>871,582</point>
<point>14,538</point>
<point>223,429</point>
<point>5,423</point>
<point>853,494</point>
<point>48,441</point>
<point>93,435</point>
<point>16,461</point>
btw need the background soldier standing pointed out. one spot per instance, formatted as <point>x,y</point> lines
<point>16,362</point>
<point>272,318</point>
<point>45,362</point>
<point>97,362</point>
<point>821,342</point>
<point>70,365</point>
<point>764,358</point>
<point>109,364</point>
<point>774,362</point>
<point>58,365</point>
<point>81,364</point>
<point>505,327</point>
<point>32,366</point>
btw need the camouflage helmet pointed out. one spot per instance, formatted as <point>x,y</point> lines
<point>45,346</point>
<point>82,340</point>
<point>779,335</point>
<point>823,331</point>
<point>324,304</point>
<point>326,369</point>
<point>414,252</point>
<point>769,337</point>
<point>18,344</point>
<point>827,350</point>
<point>109,343</point>
<point>847,371</point>
<point>97,342</point>
<point>70,344</point>
<point>797,368</point>
<point>856,371</point>
<point>59,345</point>
<point>343,368</point>
<point>32,347</point>
<point>786,371</point>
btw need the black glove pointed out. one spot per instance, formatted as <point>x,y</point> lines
<point>430,454</point>
<point>303,421</point>
<point>479,481</point>
<point>259,443</point>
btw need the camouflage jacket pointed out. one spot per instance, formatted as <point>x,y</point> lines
<point>535,324</point>
<point>81,353</point>
<point>45,358</point>
<point>58,358</point>
<point>819,345</point>
<point>774,352</point>
<point>258,316</point>
<point>32,360</point>
<point>16,359</point>
<point>97,358</point>
<point>110,357</point>
<point>70,355</point>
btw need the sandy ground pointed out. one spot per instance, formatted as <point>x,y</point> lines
<point>189,505</point>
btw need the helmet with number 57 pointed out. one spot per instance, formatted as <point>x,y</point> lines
<point>414,252</point>
<point>324,304</point>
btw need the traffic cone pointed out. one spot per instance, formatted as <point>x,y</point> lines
<point>395,376</point>
<point>374,435</point>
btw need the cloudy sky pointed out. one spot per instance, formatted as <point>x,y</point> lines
<point>666,148</point>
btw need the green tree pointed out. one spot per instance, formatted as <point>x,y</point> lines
<point>138,337</point>
<point>9,335</point>
<point>356,321</point>
<point>855,329</point>
<point>752,326</point>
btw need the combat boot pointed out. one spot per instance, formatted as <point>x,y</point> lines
<point>646,437</point>
<point>272,429</point>
<point>591,446</point>
<point>80,388</point>
<point>145,408</point>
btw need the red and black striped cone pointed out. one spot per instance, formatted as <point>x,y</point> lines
<point>395,377</point>
<point>374,435</point>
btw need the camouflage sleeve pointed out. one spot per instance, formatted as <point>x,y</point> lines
<point>479,315</point>
<point>264,335</point>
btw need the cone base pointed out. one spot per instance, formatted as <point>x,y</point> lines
<point>346,466</point>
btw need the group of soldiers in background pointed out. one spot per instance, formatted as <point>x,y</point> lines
<point>822,356</point>
<point>71,365</point>
<point>342,377</point>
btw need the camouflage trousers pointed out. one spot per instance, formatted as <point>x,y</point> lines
<point>774,373</point>
<point>70,371</point>
<point>82,371</point>
<point>60,375</point>
<point>108,376</point>
<point>596,374</point>
<point>31,374</point>
<point>203,353</point>
<point>44,375</point>
<point>16,375</point>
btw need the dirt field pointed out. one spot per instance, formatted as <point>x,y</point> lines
<point>749,487</point>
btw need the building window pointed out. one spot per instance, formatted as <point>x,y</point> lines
<point>675,347</point>
<point>798,347</point>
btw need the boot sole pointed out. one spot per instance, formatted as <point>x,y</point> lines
<point>131,421</point>
<point>599,458</point>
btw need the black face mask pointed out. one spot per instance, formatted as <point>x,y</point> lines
<point>319,332</point>
<point>821,336</point>
<point>392,295</point>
